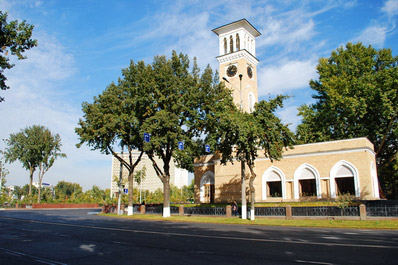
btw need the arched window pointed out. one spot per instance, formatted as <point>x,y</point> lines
<point>237,42</point>
<point>225,46</point>
<point>231,44</point>
<point>306,182</point>
<point>344,179</point>
<point>273,184</point>
<point>207,187</point>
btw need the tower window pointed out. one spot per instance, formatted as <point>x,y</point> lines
<point>237,42</point>
<point>225,45</point>
<point>231,44</point>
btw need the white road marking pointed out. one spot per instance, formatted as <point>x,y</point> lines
<point>304,242</point>
<point>313,262</point>
<point>39,259</point>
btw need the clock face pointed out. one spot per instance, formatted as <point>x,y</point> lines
<point>231,71</point>
<point>249,72</point>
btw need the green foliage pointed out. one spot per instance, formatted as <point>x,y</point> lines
<point>357,96</point>
<point>239,135</point>
<point>140,175</point>
<point>35,147</point>
<point>15,38</point>
<point>66,190</point>
<point>164,99</point>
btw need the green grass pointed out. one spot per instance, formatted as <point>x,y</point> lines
<point>379,224</point>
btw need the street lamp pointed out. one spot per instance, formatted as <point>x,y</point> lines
<point>242,163</point>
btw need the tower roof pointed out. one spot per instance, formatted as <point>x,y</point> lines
<point>240,23</point>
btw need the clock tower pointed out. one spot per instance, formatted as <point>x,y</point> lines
<point>238,62</point>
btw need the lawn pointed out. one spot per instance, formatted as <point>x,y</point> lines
<point>368,224</point>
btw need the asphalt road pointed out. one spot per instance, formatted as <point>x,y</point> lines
<point>79,237</point>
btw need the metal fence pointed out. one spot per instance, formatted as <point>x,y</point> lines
<point>382,211</point>
<point>154,209</point>
<point>325,211</point>
<point>158,209</point>
<point>321,211</point>
<point>205,210</point>
<point>269,211</point>
<point>136,209</point>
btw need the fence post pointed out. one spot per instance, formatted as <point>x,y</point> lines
<point>362,212</point>
<point>181,210</point>
<point>228,211</point>
<point>288,212</point>
<point>142,209</point>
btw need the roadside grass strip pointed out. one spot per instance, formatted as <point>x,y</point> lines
<point>365,224</point>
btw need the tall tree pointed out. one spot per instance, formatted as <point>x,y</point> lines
<point>357,96</point>
<point>241,136</point>
<point>35,147</point>
<point>183,109</point>
<point>164,100</point>
<point>116,117</point>
<point>50,146</point>
<point>15,39</point>
<point>25,147</point>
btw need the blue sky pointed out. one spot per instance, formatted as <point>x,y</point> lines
<point>83,45</point>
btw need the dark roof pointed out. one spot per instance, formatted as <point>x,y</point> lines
<point>235,22</point>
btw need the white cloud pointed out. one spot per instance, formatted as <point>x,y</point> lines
<point>288,115</point>
<point>286,32</point>
<point>288,76</point>
<point>390,8</point>
<point>374,35</point>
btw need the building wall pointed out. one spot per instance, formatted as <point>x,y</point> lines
<point>178,177</point>
<point>320,157</point>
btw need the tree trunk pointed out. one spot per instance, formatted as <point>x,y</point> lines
<point>39,193</point>
<point>130,209</point>
<point>166,196</point>
<point>252,192</point>
<point>31,171</point>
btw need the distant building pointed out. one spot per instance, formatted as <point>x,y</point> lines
<point>178,176</point>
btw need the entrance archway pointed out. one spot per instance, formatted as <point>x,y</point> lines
<point>207,188</point>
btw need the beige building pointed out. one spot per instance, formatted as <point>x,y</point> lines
<point>178,176</point>
<point>307,172</point>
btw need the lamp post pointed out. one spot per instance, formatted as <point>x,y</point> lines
<point>242,163</point>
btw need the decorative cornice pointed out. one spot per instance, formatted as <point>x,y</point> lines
<point>319,153</point>
<point>229,57</point>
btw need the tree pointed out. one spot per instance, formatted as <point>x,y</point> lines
<point>183,107</point>
<point>162,99</point>
<point>241,135</point>
<point>139,177</point>
<point>116,117</point>
<point>14,38</point>
<point>65,190</point>
<point>50,146</point>
<point>24,146</point>
<point>35,147</point>
<point>357,96</point>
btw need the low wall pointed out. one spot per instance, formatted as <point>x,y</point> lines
<point>64,205</point>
